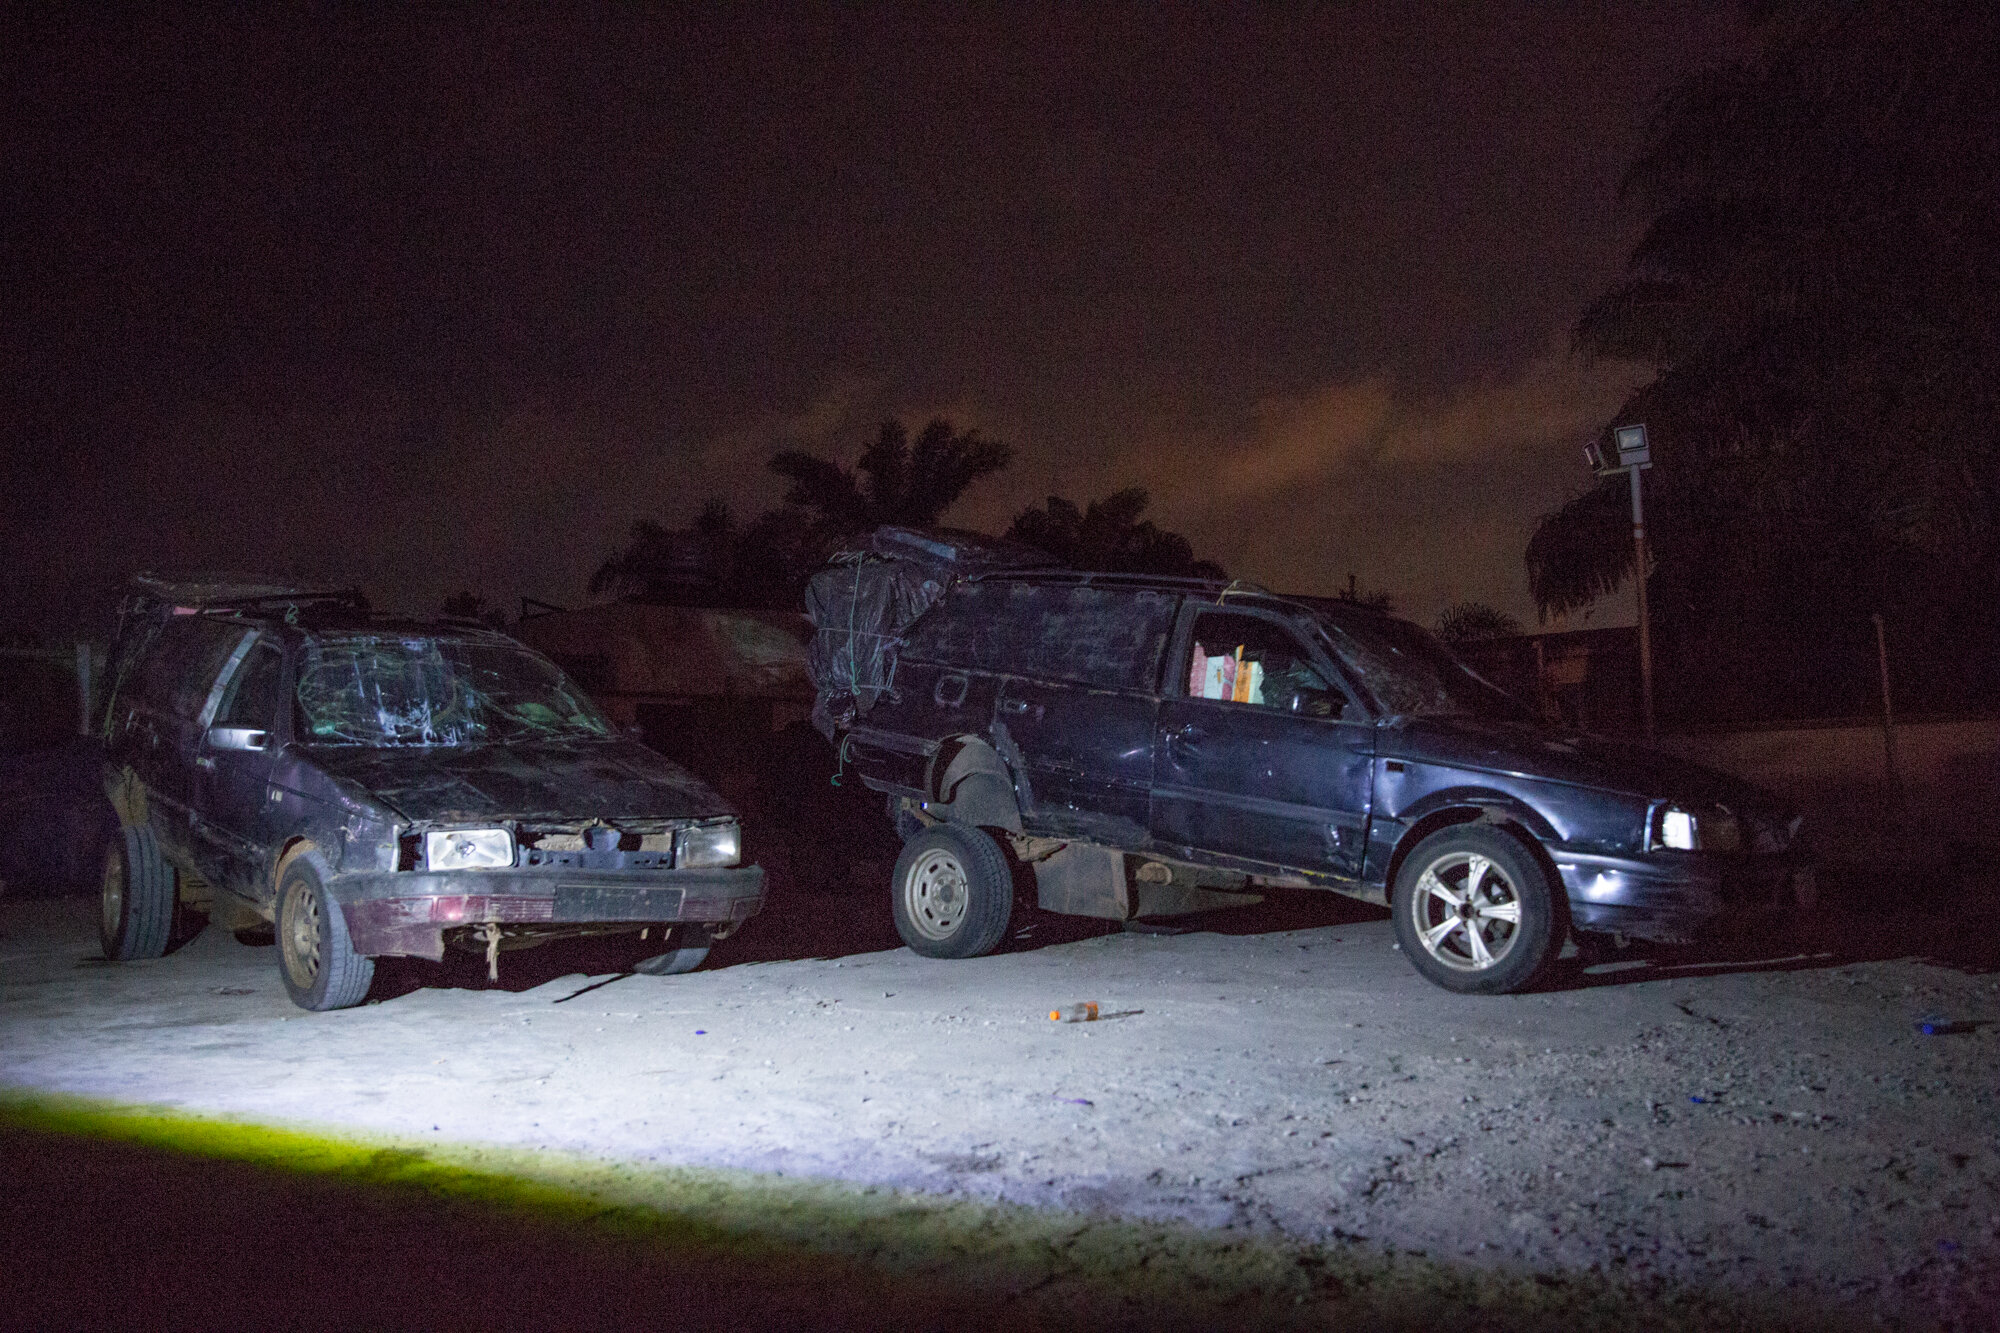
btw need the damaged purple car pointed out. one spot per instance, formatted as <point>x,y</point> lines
<point>371,787</point>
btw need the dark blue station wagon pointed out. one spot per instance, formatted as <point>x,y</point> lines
<point>1150,747</point>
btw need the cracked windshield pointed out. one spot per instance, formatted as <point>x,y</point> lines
<point>1412,675</point>
<point>421,691</point>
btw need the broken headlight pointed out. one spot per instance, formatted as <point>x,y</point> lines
<point>1679,829</point>
<point>468,849</point>
<point>708,845</point>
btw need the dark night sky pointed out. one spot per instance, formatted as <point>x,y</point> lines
<point>448,301</point>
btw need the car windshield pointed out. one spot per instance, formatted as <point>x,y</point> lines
<point>421,690</point>
<point>1413,675</point>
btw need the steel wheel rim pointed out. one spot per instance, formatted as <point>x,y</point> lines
<point>300,936</point>
<point>111,900</point>
<point>1466,912</point>
<point>936,894</point>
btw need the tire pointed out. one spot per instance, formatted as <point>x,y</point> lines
<point>1499,937</point>
<point>136,896</point>
<point>953,893</point>
<point>316,959</point>
<point>693,951</point>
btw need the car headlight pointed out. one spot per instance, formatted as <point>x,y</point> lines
<point>1682,830</point>
<point>468,848</point>
<point>708,845</point>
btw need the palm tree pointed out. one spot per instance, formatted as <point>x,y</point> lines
<point>1814,289</point>
<point>900,483</point>
<point>692,566</point>
<point>1469,622</point>
<point>1109,535</point>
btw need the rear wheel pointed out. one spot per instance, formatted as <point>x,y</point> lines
<point>953,892</point>
<point>1476,913</point>
<point>136,897</point>
<point>316,959</point>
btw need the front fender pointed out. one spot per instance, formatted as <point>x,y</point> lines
<point>1494,805</point>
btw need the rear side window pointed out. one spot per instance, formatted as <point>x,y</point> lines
<point>183,662</point>
<point>1111,638</point>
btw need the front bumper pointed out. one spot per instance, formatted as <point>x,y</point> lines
<point>407,913</point>
<point>1676,899</point>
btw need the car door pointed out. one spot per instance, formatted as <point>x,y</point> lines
<point>1261,753</point>
<point>162,722</point>
<point>233,765</point>
<point>1078,707</point>
<point>941,688</point>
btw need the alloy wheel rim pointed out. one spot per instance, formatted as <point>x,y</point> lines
<point>936,894</point>
<point>301,938</point>
<point>112,900</point>
<point>1466,912</point>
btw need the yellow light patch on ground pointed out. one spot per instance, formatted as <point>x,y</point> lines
<point>630,1238</point>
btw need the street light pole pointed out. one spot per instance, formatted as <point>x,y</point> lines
<point>1634,457</point>
<point>1639,582</point>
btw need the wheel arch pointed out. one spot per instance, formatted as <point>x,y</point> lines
<point>290,850</point>
<point>1520,822</point>
<point>969,783</point>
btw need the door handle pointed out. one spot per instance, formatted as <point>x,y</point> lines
<point>204,761</point>
<point>1013,705</point>
<point>1183,738</point>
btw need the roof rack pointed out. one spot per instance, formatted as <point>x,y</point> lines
<point>1103,578</point>
<point>232,592</point>
<point>1223,589</point>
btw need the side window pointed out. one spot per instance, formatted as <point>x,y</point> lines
<point>958,629</point>
<point>252,698</point>
<point>183,662</point>
<point>159,673</point>
<point>1111,638</point>
<point>1250,660</point>
<point>210,653</point>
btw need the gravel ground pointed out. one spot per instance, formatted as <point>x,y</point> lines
<point>1776,1129</point>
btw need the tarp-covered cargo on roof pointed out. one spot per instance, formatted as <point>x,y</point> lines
<point>864,600</point>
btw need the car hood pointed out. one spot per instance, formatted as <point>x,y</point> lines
<point>610,780</point>
<point>1587,761</point>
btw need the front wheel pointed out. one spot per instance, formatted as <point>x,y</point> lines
<point>690,951</point>
<point>1475,912</point>
<point>953,892</point>
<point>316,959</point>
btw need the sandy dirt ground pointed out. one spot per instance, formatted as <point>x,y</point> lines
<point>1775,1126</point>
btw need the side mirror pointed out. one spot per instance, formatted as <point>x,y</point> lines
<point>238,738</point>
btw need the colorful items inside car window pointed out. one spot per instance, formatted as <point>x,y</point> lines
<point>1248,660</point>
<point>1226,675</point>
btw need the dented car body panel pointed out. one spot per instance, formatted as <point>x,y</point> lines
<point>1290,740</point>
<point>242,735</point>
<point>529,780</point>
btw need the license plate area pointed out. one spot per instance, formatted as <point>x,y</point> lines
<point>616,902</point>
